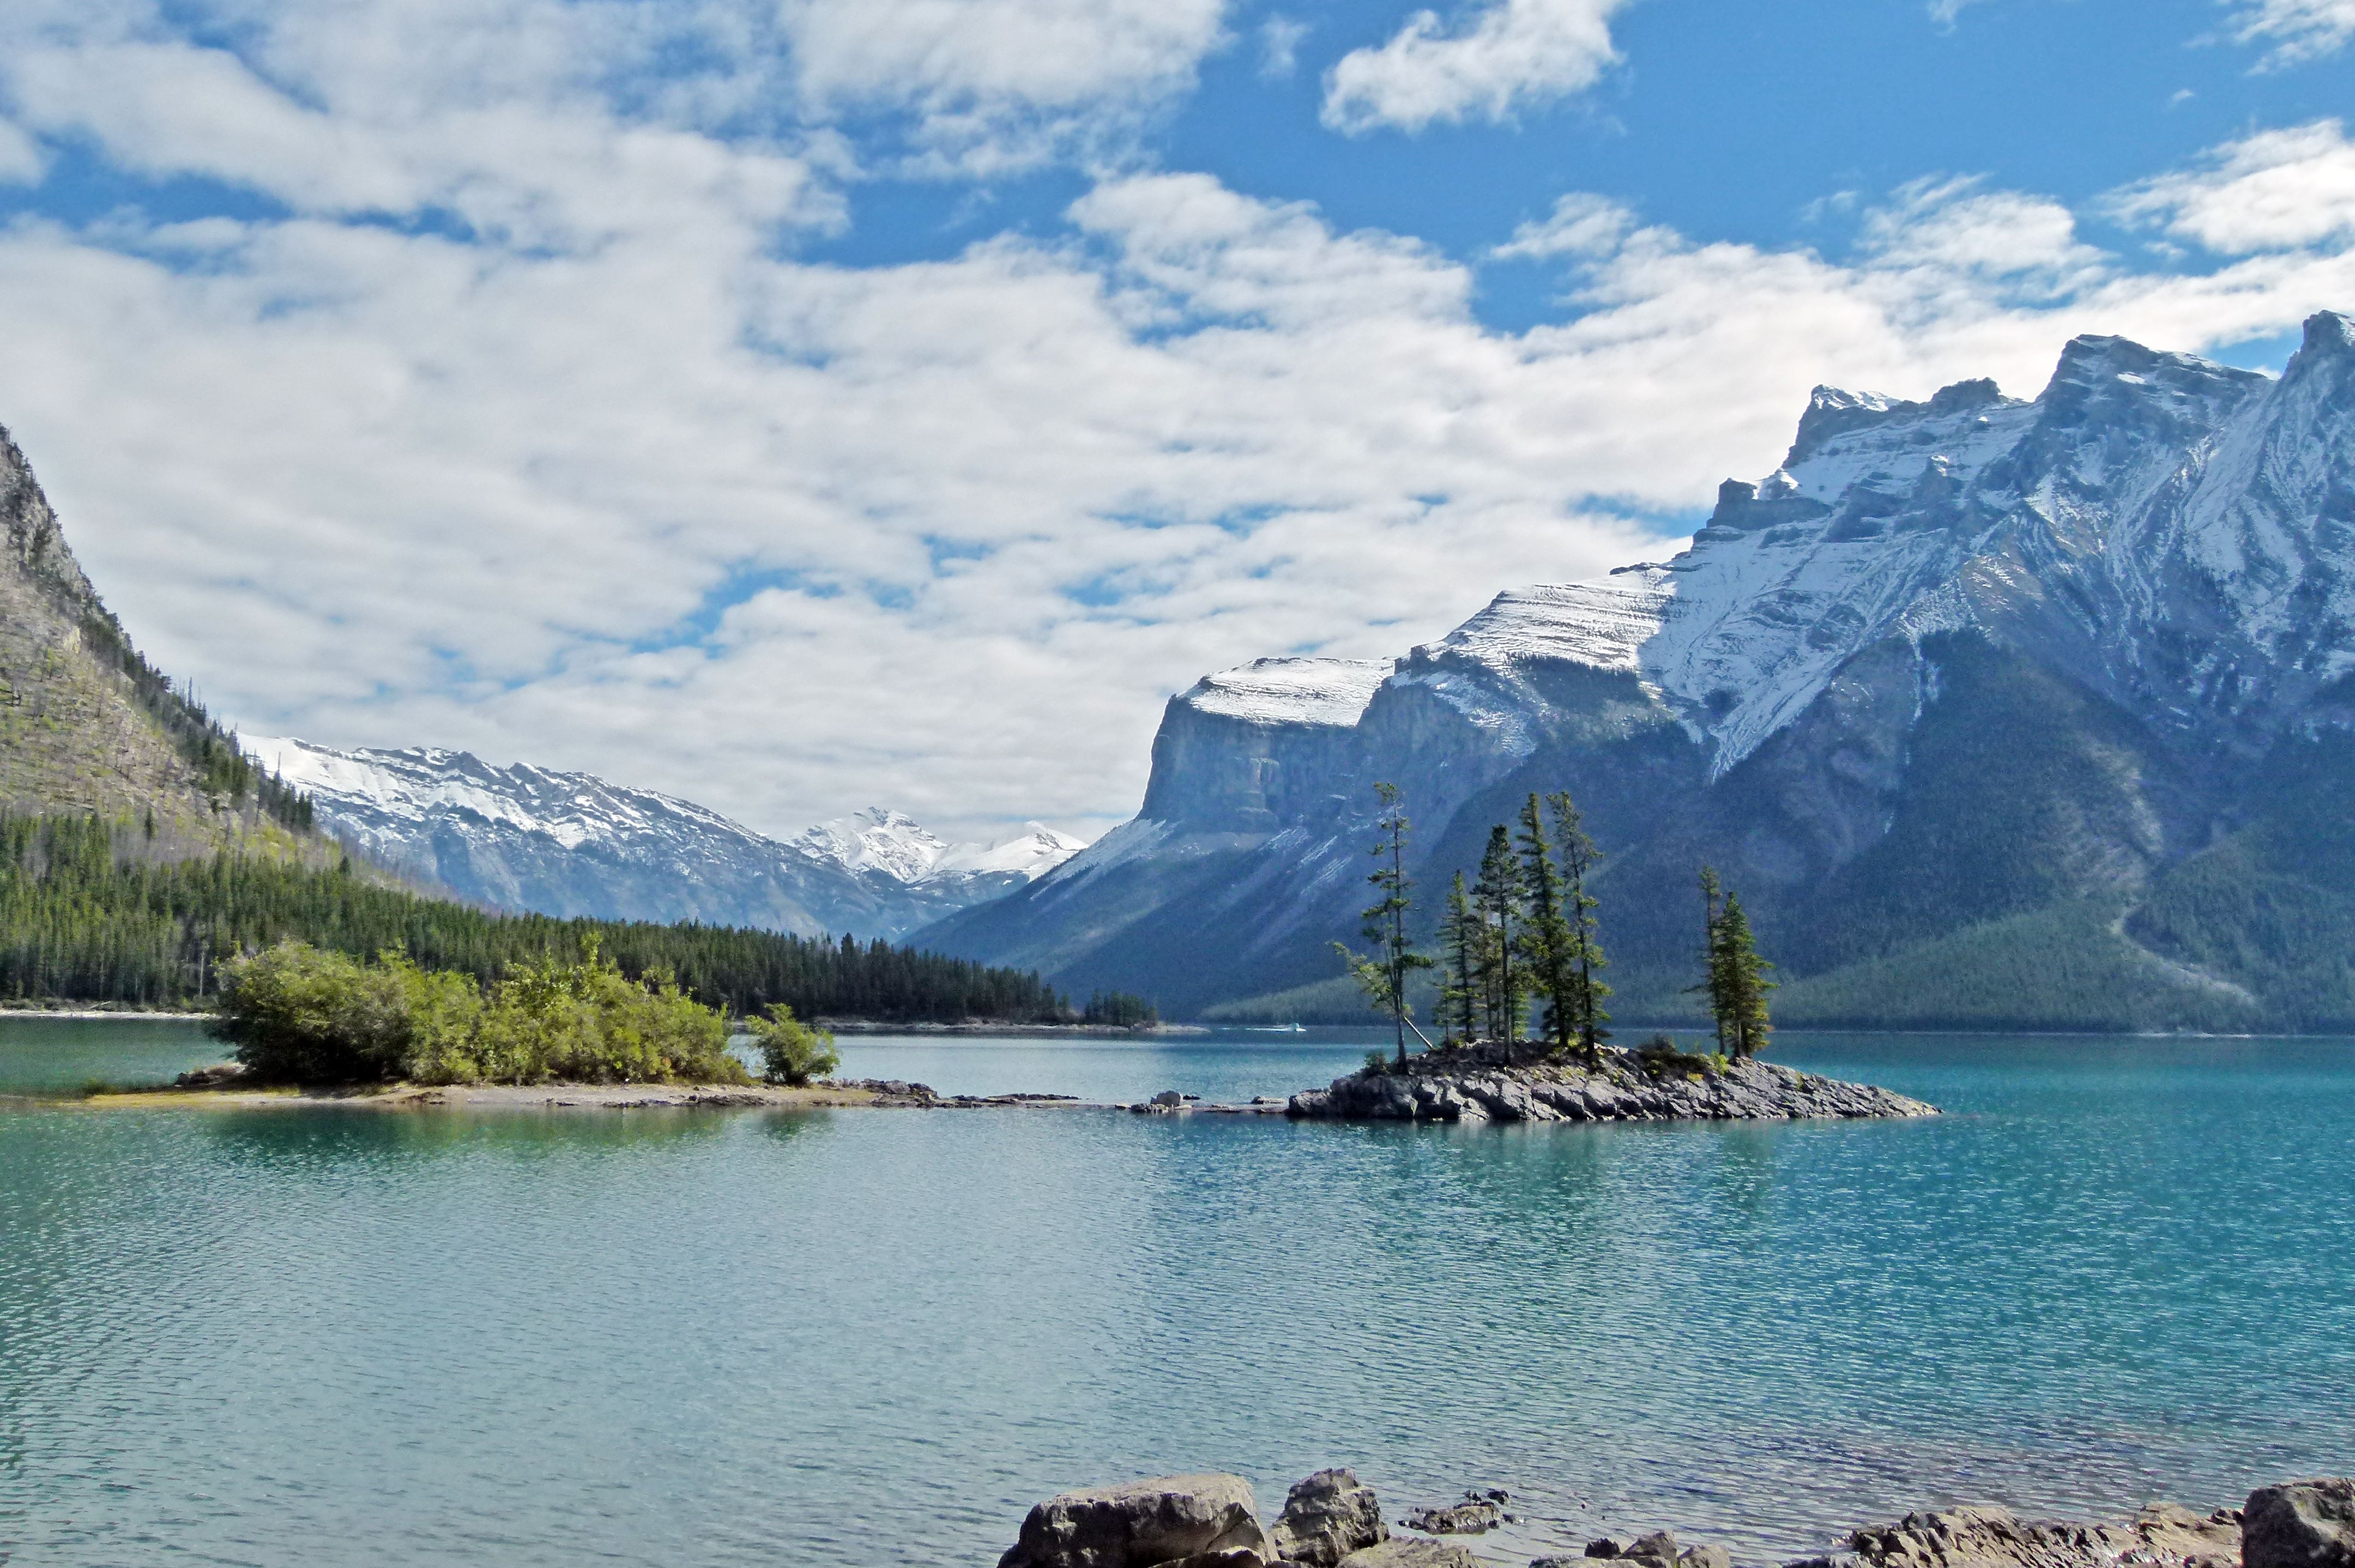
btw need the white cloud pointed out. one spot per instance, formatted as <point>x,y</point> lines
<point>2297,30</point>
<point>2025,246</point>
<point>22,162</point>
<point>2273,191</point>
<point>1580,225</point>
<point>1000,83</point>
<point>1279,44</point>
<point>1503,56</point>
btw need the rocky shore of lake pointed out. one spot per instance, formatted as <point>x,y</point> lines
<point>1489,1083</point>
<point>1334,1521</point>
<point>226,1085</point>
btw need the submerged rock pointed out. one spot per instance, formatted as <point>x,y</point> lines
<point>1328,1517</point>
<point>1480,1084</point>
<point>2301,1524</point>
<point>1168,1521</point>
<point>1474,1515</point>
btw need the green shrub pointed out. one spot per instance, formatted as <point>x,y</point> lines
<point>1661,1055</point>
<point>300,1015</point>
<point>791,1051</point>
<point>1378,1063</point>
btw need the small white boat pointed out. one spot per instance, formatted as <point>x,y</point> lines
<point>1276,1028</point>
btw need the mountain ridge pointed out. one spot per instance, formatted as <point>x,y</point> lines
<point>1955,661</point>
<point>518,836</point>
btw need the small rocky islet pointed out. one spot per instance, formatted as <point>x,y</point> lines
<point>1334,1521</point>
<point>1494,1082</point>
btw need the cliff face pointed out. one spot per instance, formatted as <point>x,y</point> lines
<point>85,724</point>
<point>1996,711</point>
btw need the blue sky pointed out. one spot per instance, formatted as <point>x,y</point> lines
<point>801,404</point>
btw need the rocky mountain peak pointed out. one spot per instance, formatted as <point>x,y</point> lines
<point>35,543</point>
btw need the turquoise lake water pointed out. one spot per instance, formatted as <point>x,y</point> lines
<point>2119,1269</point>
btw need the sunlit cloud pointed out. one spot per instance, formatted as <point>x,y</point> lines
<point>1486,63</point>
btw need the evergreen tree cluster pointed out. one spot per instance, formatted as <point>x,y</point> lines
<point>1525,930</point>
<point>84,917</point>
<point>223,770</point>
<point>1736,976</point>
<point>1119,1010</point>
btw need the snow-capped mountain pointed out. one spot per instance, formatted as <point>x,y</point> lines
<point>2058,686</point>
<point>532,838</point>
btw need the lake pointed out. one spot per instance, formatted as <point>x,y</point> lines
<point>2119,1269</point>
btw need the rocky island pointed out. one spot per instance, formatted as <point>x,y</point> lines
<point>1489,1082</point>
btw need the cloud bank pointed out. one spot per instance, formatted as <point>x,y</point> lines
<point>502,410</point>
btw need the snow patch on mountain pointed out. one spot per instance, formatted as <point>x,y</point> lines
<point>1292,691</point>
<point>890,845</point>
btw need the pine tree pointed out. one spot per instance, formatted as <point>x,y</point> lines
<point>1465,941</point>
<point>1578,857</point>
<point>1383,976</point>
<point>1714,974</point>
<point>1746,1024</point>
<point>1498,894</point>
<point>1547,940</point>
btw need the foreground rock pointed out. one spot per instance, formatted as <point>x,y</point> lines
<point>1333,1521</point>
<point>1188,1521</point>
<point>1411,1551</point>
<point>1481,1084</point>
<point>2305,1524</point>
<point>1328,1517</point>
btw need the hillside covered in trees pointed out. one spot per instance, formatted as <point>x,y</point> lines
<point>90,913</point>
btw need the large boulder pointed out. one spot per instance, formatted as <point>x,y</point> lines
<point>1411,1551</point>
<point>1328,1517</point>
<point>1194,1520</point>
<point>2301,1524</point>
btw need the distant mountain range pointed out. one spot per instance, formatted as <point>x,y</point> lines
<point>1997,713</point>
<point>521,837</point>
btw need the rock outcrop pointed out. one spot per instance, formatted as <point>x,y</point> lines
<point>1480,1085</point>
<point>1333,1521</point>
<point>1328,1517</point>
<point>1170,1521</point>
<point>2162,1535</point>
<point>2304,1525</point>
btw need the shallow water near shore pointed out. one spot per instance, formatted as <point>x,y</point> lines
<point>2119,1269</point>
